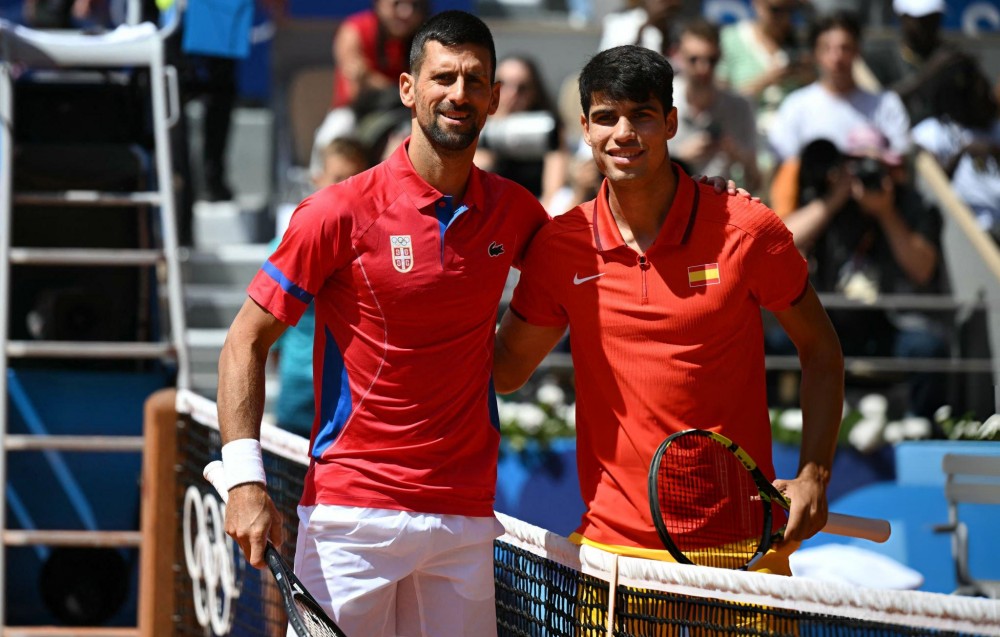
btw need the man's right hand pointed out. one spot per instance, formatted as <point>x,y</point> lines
<point>252,520</point>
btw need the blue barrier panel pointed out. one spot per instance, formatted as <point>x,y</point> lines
<point>72,491</point>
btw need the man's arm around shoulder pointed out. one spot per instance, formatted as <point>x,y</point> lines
<point>251,517</point>
<point>520,347</point>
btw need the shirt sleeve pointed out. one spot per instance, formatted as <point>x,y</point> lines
<point>534,298</point>
<point>533,217</point>
<point>776,271</point>
<point>316,243</point>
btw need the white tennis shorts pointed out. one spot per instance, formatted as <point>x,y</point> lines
<point>385,573</point>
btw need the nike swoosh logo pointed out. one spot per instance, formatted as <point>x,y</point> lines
<point>577,280</point>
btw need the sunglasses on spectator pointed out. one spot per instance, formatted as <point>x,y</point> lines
<point>711,60</point>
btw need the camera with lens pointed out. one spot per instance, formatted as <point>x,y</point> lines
<point>869,171</point>
<point>521,136</point>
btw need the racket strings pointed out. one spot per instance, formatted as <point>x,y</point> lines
<point>710,505</point>
<point>315,623</point>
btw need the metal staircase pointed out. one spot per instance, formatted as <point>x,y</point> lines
<point>138,49</point>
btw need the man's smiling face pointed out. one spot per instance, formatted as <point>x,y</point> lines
<point>452,93</point>
<point>629,139</point>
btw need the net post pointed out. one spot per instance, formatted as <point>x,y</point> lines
<point>159,514</point>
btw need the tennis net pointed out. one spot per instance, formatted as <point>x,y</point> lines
<point>545,585</point>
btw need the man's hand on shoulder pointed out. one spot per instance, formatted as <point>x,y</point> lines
<point>721,185</point>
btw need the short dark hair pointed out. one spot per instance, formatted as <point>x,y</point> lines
<point>452,28</point>
<point>627,72</point>
<point>844,20</point>
<point>701,29</point>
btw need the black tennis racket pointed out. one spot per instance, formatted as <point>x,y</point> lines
<point>712,506</point>
<point>305,615</point>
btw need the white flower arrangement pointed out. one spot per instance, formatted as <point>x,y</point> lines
<point>544,416</point>
<point>867,427</point>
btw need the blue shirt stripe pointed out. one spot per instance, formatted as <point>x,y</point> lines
<point>335,400</point>
<point>286,283</point>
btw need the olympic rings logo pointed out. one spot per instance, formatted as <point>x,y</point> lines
<point>400,240</point>
<point>210,558</point>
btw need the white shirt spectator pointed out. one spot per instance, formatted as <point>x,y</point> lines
<point>813,112</point>
<point>975,180</point>
<point>621,28</point>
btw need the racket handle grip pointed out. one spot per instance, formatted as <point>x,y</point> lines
<point>215,473</point>
<point>872,529</point>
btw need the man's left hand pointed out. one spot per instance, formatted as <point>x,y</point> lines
<point>721,185</point>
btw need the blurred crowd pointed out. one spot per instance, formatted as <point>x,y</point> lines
<point>788,103</point>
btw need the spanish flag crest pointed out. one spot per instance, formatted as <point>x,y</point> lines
<point>701,275</point>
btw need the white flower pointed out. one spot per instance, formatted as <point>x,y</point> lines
<point>894,432</point>
<point>507,411</point>
<point>916,428</point>
<point>873,406</point>
<point>942,414</point>
<point>991,427</point>
<point>791,419</point>
<point>866,435</point>
<point>550,394</point>
<point>530,418</point>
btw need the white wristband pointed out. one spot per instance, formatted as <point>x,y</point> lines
<point>243,462</point>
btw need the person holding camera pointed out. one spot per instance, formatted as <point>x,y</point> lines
<point>523,140</point>
<point>716,132</point>
<point>866,231</point>
<point>833,105</point>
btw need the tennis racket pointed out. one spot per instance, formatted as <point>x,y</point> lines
<point>304,614</point>
<point>712,506</point>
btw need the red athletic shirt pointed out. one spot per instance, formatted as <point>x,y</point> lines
<point>390,57</point>
<point>662,342</point>
<point>405,316</point>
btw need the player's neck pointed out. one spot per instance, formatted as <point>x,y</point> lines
<point>446,171</point>
<point>640,208</point>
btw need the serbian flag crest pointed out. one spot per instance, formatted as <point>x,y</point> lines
<point>700,275</point>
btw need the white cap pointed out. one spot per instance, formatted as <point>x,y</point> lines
<point>918,8</point>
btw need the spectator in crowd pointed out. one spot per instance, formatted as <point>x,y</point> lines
<point>830,107</point>
<point>763,60</point>
<point>293,351</point>
<point>922,65</point>
<point>965,139</point>
<point>835,96</point>
<point>649,23</point>
<point>523,140</point>
<point>583,179</point>
<point>866,231</point>
<point>370,51</point>
<point>715,127</point>
<point>65,14</point>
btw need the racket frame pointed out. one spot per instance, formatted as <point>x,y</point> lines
<point>291,588</point>
<point>767,494</point>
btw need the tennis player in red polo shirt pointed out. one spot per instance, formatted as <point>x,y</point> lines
<point>661,281</point>
<point>406,264</point>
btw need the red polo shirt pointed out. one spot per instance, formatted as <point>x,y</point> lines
<point>663,341</point>
<point>406,308</point>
